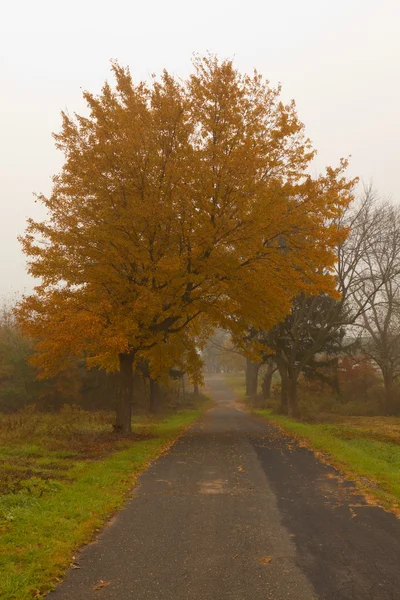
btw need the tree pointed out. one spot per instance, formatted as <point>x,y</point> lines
<point>317,323</point>
<point>213,350</point>
<point>252,370</point>
<point>380,318</point>
<point>267,381</point>
<point>16,375</point>
<point>358,377</point>
<point>220,353</point>
<point>313,325</point>
<point>18,383</point>
<point>171,204</point>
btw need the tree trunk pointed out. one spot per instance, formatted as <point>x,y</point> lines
<point>124,404</point>
<point>388,382</point>
<point>196,390</point>
<point>280,363</point>
<point>292,394</point>
<point>252,369</point>
<point>183,389</point>
<point>155,396</point>
<point>335,382</point>
<point>284,403</point>
<point>266,384</point>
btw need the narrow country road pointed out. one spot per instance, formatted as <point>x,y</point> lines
<point>236,511</point>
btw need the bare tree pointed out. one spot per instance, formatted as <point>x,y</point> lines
<point>380,318</point>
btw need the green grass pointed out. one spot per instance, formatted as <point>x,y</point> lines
<point>365,449</point>
<point>60,497</point>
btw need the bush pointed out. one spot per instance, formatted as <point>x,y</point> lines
<point>314,404</point>
<point>358,408</point>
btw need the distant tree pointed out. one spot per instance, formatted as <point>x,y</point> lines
<point>221,353</point>
<point>213,350</point>
<point>171,204</point>
<point>18,383</point>
<point>231,358</point>
<point>16,375</point>
<point>379,319</point>
<point>314,325</point>
<point>357,377</point>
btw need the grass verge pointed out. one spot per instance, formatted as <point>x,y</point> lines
<point>64,497</point>
<point>364,449</point>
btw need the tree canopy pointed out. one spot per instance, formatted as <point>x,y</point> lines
<point>177,200</point>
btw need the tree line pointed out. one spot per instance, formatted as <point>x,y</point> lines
<point>91,389</point>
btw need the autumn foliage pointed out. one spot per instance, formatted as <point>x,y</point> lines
<point>177,202</point>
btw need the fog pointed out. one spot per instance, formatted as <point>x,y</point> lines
<point>339,61</point>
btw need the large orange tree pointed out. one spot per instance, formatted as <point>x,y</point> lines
<point>176,200</point>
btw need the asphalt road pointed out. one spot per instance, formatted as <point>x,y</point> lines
<point>236,511</point>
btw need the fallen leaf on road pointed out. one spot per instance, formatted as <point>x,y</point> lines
<point>101,584</point>
<point>236,555</point>
<point>265,560</point>
<point>240,469</point>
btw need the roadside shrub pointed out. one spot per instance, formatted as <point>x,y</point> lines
<point>274,404</point>
<point>370,407</point>
<point>312,405</point>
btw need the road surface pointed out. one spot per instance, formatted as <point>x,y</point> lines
<point>237,511</point>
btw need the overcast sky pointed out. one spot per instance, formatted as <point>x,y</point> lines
<point>340,61</point>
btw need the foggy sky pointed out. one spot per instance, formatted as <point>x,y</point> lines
<point>340,61</point>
